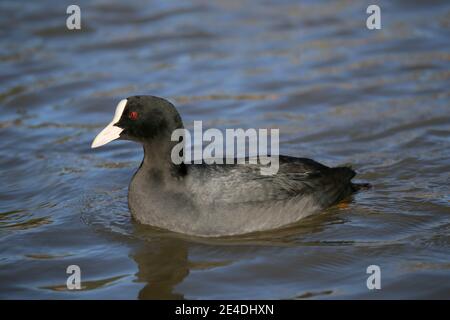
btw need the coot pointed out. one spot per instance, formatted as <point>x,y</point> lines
<point>215,199</point>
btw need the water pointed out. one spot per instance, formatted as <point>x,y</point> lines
<point>338,92</point>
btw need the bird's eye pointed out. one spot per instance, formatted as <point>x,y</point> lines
<point>133,115</point>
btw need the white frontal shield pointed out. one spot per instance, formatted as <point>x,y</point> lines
<point>110,132</point>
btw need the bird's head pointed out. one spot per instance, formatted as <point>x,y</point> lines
<point>141,119</point>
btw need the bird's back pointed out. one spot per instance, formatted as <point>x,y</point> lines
<point>243,183</point>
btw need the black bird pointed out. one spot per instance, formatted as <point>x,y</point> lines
<point>215,199</point>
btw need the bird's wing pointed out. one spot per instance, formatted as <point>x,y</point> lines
<point>245,183</point>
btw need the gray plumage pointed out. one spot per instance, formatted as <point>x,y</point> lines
<point>219,200</point>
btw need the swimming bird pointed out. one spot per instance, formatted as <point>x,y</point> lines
<point>212,200</point>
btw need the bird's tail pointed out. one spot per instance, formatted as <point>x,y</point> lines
<point>361,186</point>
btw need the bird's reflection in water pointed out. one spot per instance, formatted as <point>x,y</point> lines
<point>162,264</point>
<point>162,257</point>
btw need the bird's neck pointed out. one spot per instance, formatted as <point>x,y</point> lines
<point>157,158</point>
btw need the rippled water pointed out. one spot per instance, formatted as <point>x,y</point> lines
<point>338,92</point>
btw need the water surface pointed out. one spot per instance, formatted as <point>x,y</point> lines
<point>339,93</point>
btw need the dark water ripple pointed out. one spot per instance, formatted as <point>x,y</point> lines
<point>378,100</point>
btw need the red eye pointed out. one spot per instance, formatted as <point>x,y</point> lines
<point>133,115</point>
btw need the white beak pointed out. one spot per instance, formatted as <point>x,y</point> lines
<point>111,132</point>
